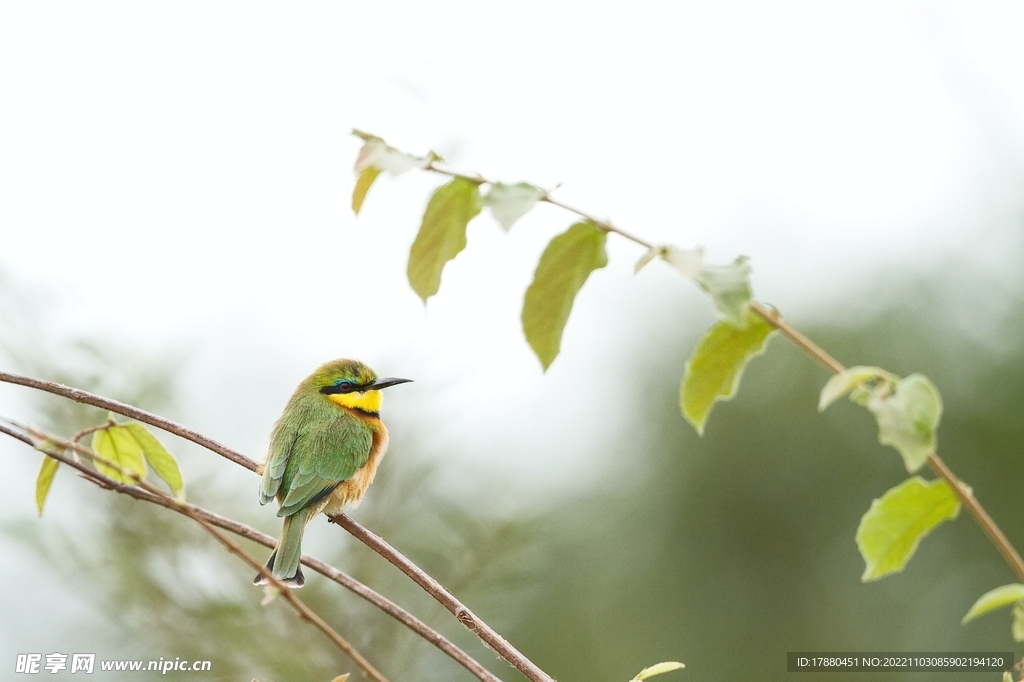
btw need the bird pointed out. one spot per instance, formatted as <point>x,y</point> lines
<point>323,454</point>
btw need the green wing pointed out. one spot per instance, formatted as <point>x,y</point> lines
<point>282,438</point>
<point>319,459</point>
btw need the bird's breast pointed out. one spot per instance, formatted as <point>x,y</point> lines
<point>350,493</point>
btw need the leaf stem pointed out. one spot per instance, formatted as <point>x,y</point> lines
<point>603,224</point>
<point>988,525</point>
<point>935,463</point>
<point>772,317</point>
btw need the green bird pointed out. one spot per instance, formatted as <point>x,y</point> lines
<point>323,454</point>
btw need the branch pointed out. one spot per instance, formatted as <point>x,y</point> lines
<point>935,463</point>
<point>509,653</point>
<point>80,396</point>
<point>772,317</point>
<point>40,441</point>
<point>602,223</point>
<point>478,627</point>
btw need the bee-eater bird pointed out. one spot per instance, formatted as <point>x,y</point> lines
<point>323,454</point>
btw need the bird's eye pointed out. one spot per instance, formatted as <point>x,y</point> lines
<point>344,385</point>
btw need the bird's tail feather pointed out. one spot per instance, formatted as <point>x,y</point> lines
<point>284,562</point>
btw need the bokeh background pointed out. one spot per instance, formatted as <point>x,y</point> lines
<point>175,232</point>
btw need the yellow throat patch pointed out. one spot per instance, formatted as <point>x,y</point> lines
<point>367,401</point>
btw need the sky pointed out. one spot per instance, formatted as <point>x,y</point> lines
<point>178,176</point>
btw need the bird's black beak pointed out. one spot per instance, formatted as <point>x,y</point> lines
<point>384,383</point>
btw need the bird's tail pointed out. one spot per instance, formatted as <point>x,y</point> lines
<point>284,562</point>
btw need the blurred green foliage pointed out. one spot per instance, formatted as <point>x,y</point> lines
<point>723,552</point>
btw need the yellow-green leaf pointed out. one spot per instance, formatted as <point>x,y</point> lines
<point>564,267</point>
<point>847,380</point>
<point>657,669</point>
<point>714,370</point>
<point>997,598</point>
<point>908,418</point>
<point>894,526</point>
<point>159,459</point>
<point>442,234</point>
<point>46,473</point>
<point>1017,629</point>
<point>509,203</point>
<point>363,183</point>
<point>117,445</point>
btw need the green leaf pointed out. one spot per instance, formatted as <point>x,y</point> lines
<point>713,371</point>
<point>117,445</point>
<point>657,669</point>
<point>564,267</point>
<point>908,418</point>
<point>995,599</point>
<point>1017,629</point>
<point>509,203</point>
<point>847,380</point>
<point>893,527</point>
<point>159,459</point>
<point>442,234</point>
<point>363,183</point>
<point>46,473</point>
<point>727,285</point>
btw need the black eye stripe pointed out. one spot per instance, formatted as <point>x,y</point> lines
<point>343,386</point>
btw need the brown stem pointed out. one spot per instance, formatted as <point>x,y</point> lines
<point>36,438</point>
<point>80,396</point>
<point>478,627</point>
<point>249,533</point>
<point>509,653</point>
<point>605,225</point>
<point>772,317</point>
<point>935,463</point>
<point>300,606</point>
<point>990,528</point>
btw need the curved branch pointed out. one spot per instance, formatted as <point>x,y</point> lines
<point>494,641</point>
<point>41,442</point>
<point>478,627</point>
<point>84,397</point>
<point>250,533</point>
<point>963,492</point>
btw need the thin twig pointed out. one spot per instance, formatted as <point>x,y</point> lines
<point>478,627</point>
<point>772,317</point>
<point>935,463</point>
<point>546,197</point>
<point>300,606</point>
<point>305,613</point>
<point>80,396</point>
<point>392,609</point>
<point>988,525</point>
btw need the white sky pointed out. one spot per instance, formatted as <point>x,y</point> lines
<point>179,173</point>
